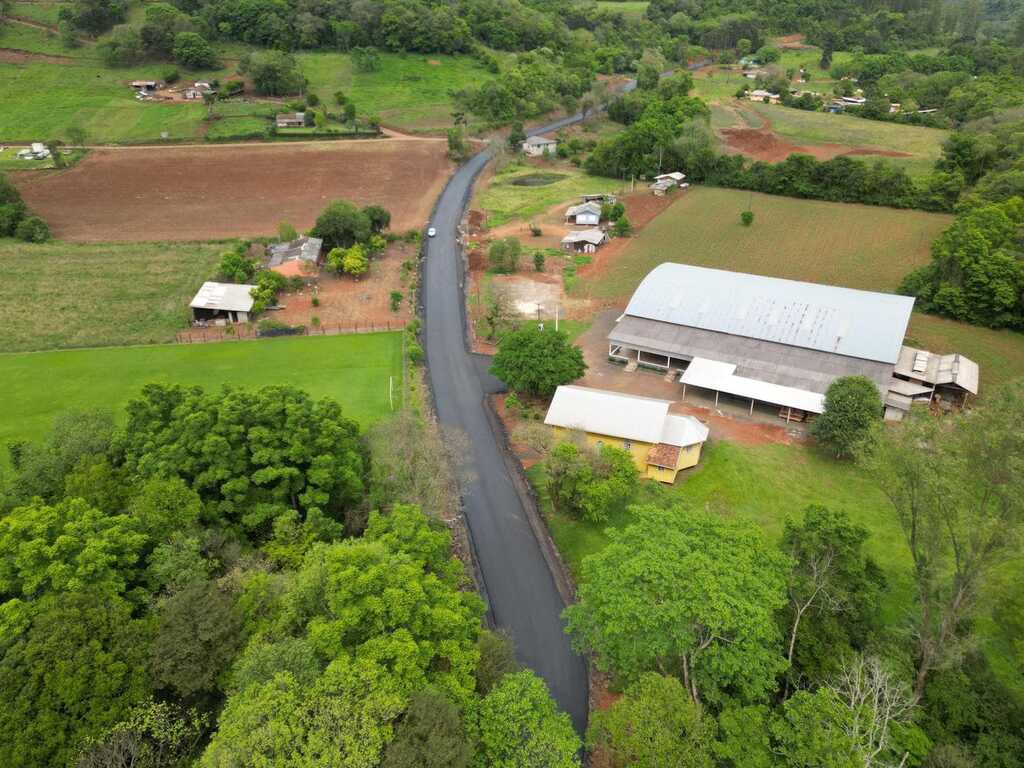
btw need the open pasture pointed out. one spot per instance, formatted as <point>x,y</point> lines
<point>211,192</point>
<point>354,370</point>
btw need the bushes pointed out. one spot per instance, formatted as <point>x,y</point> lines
<point>590,484</point>
<point>268,285</point>
<point>32,230</point>
<point>191,50</point>
<point>503,255</point>
<point>852,407</point>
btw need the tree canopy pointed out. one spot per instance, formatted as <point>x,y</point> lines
<point>852,407</point>
<point>536,361</point>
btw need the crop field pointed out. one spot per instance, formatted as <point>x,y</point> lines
<point>856,246</point>
<point>523,190</point>
<point>211,192</point>
<point>410,91</point>
<point>352,369</point>
<point>60,295</point>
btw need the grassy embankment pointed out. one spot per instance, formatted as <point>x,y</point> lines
<point>61,295</point>
<point>354,370</point>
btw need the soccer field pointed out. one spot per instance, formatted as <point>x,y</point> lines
<point>354,370</point>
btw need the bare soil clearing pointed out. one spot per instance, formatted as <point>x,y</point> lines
<point>764,144</point>
<point>207,192</point>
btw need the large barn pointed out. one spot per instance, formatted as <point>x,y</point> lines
<point>762,339</point>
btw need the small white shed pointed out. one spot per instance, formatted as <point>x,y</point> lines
<point>222,303</point>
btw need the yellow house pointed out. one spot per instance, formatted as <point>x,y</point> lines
<point>661,443</point>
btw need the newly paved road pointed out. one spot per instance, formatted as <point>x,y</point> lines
<point>520,588</point>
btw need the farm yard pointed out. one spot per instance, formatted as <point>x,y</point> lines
<point>353,369</point>
<point>60,295</point>
<point>214,192</point>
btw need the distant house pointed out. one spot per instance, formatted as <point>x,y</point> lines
<point>661,188</point>
<point>853,101</point>
<point>291,120</point>
<point>198,90</point>
<point>666,181</point>
<point>223,303</point>
<point>660,443</point>
<point>535,146</point>
<point>145,85</point>
<point>675,176</point>
<point>584,213</point>
<point>601,197</point>
<point>585,241</point>
<point>295,258</point>
<point>759,94</point>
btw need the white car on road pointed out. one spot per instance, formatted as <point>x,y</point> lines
<point>431,232</point>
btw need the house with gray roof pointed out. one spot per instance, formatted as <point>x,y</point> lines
<point>537,146</point>
<point>763,339</point>
<point>295,257</point>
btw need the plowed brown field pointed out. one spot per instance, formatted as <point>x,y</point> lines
<point>207,192</point>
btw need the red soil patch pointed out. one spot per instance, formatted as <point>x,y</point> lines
<point>792,42</point>
<point>206,192</point>
<point>735,430</point>
<point>350,303</point>
<point>15,56</point>
<point>764,144</point>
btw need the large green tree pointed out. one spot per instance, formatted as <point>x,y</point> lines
<point>251,455</point>
<point>71,665</point>
<point>537,361</point>
<point>431,734</point>
<point>654,725</point>
<point>341,225</point>
<point>685,593</point>
<point>852,406</point>
<point>520,727</point>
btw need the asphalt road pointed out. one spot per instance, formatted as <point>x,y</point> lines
<point>520,588</point>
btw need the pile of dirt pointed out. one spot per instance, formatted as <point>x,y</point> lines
<point>764,144</point>
<point>475,222</point>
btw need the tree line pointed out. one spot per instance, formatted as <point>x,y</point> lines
<point>202,584</point>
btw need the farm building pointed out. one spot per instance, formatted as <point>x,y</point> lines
<point>585,240</point>
<point>660,443</point>
<point>296,257</point>
<point>762,339</point>
<point>536,146</point>
<point>584,213</point>
<point>759,94</point>
<point>291,120</point>
<point>222,303</point>
<point>145,85</point>
<point>601,197</point>
<point>922,377</point>
<point>198,90</point>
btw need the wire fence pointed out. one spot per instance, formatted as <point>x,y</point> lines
<point>243,331</point>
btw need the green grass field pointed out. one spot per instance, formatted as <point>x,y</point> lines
<point>410,91</point>
<point>856,246</point>
<point>503,200</point>
<point>42,11</point>
<point>60,295</point>
<point>352,369</point>
<point>630,8</point>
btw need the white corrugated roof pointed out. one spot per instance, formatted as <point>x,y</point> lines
<point>844,321</point>
<point>539,141</point>
<point>683,431</point>
<point>229,296</point>
<point>594,236</point>
<point>608,413</point>
<point>588,207</point>
<point>717,376</point>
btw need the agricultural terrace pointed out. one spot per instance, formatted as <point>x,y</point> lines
<point>60,295</point>
<point>522,190</point>
<point>352,369</point>
<point>211,192</point>
<point>856,246</point>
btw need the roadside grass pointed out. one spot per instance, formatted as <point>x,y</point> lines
<point>59,295</point>
<point>764,484</point>
<point>409,91</point>
<point>634,9</point>
<point>856,246</point>
<point>354,370</point>
<point>503,200</point>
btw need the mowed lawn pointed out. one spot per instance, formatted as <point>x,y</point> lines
<point>354,370</point>
<point>856,246</point>
<point>411,91</point>
<point>60,295</point>
<point>523,190</point>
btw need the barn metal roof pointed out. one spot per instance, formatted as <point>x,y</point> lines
<point>844,321</point>
<point>939,369</point>
<point>721,377</point>
<point>592,236</point>
<point>227,296</point>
